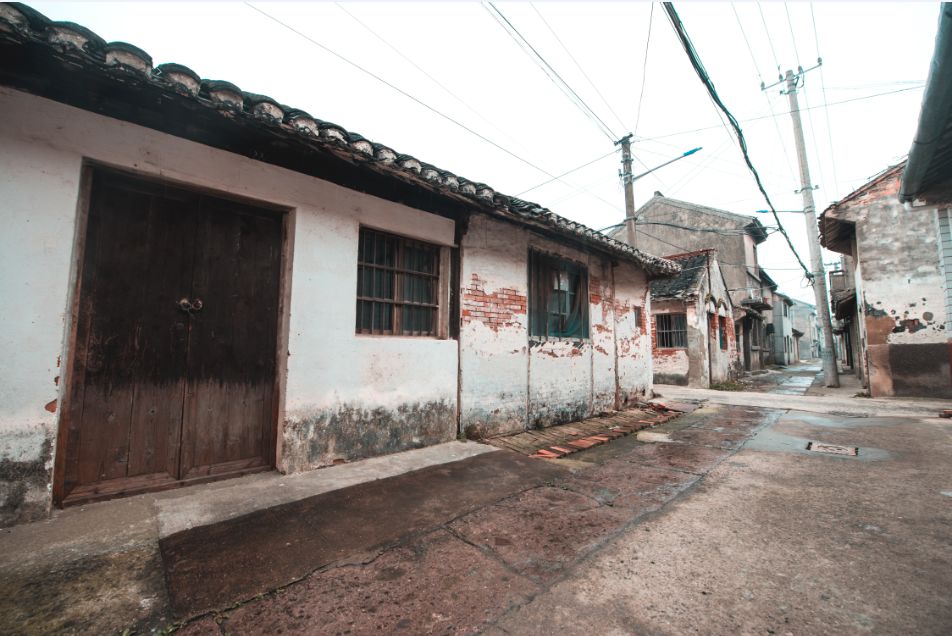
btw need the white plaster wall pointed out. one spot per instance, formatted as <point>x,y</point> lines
<point>494,385</point>
<point>632,332</point>
<point>511,381</point>
<point>42,146</point>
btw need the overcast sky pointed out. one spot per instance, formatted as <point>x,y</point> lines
<point>456,58</point>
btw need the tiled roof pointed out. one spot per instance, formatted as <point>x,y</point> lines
<point>684,284</point>
<point>72,45</point>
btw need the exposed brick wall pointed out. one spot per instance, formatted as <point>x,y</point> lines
<point>496,310</point>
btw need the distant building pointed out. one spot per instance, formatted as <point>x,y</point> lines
<point>664,225</point>
<point>805,330</point>
<point>780,330</point>
<point>693,341</point>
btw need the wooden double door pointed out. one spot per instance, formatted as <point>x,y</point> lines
<point>173,371</point>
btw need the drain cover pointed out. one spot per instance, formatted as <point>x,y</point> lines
<point>832,449</point>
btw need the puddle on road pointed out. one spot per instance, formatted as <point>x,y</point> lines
<point>773,441</point>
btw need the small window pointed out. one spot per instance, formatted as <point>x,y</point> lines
<point>636,312</point>
<point>722,331</point>
<point>558,297</point>
<point>672,331</point>
<point>397,285</point>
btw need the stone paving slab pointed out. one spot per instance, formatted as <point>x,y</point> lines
<point>437,585</point>
<point>542,531</point>
<point>686,457</point>
<point>212,567</point>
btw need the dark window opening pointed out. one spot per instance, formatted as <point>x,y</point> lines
<point>558,297</point>
<point>397,285</point>
<point>722,331</point>
<point>672,331</point>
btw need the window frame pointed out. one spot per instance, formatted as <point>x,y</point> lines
<point>541,266</point>
<point>666,336</point>
<point>722,332</point>
<point>439,278</point>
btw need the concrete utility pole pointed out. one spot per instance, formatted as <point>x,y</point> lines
<point>830,372</point>
<point>628,181</point>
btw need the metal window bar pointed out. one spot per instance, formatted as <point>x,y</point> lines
<point>397,285</point>
<point>672,331</point>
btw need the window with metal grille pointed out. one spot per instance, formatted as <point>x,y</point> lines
<point>397,285</point>
<point>722,331</point>
<point>558,297</point>
<point>672,331</point>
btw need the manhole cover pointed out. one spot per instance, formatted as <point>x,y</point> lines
<point>832,449</point>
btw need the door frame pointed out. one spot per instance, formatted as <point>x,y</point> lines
<point>71,390</point>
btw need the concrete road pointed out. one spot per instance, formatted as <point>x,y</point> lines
<point>781,540</point>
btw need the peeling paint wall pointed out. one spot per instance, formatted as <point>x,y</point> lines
<point>902,294</point>
<point>346,396</point>
<point>511,381</point>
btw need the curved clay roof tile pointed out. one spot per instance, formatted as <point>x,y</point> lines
<point>71,36</point>
<point>224,94</point>
<point>125,55</point>
<point>180,77</point>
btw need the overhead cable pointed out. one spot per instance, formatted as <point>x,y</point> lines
<point>419,101</point>
<point>550,72</point>
<point>446,90</point>
<point>567,172</point>
<point>741,141</point>
<point>577,65</point>
<point>826,107</point>
<point>753,60</point>
<point>644,70</point>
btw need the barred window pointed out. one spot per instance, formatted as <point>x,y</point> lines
<point>672,331</point>
<point>397,285</point>
<point>558,297</point>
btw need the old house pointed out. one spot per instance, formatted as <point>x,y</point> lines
<point>891,299</point>
<point>693,341</point>
<point>805,330</point>
<point>664,225</point>
<point>893,294</point>
<point>202,282</point>
<point>780,330</point>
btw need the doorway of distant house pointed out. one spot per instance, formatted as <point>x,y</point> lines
<point>174,354</point>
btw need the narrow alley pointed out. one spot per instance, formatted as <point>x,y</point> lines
<point>717,521</point>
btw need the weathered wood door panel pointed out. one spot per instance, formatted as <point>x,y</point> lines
<point>166,390</point>
<point>231,357</point>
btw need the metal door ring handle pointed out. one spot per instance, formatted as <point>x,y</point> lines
<point>197,304</point>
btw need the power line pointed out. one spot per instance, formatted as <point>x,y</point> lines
<point>793,38</point>
<point>577,65</point>
<point>745,265</point>
<point>446,90</point>
<point>763,20</point>
<point>762,117</point>
<point>753,60</point>
<point>568,172</point>
<point>826,108</point>
<point>550,72</point>
<point>397,89</point>
<point>742,142</point>
<point>644,70</point>
<point>421,102</point>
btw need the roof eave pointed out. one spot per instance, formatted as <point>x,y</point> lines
<point>934,115</point>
